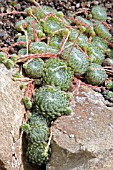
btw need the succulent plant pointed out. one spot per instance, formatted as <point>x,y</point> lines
<point>36,128</point>
<point>9,63</point>
<point>95,54</point>
<point>109,84</point>
<point>51,102</point>
<point>37,131</point>
<point>110,94</point>
<point>81,40</point>
<point>52,24</point>
<point>99,13</point>
<point>30,10</point>
<point>29,19</point>
<point>3,57</point>
<point>22,51</point>
<point>52,50</point>
<point>38,47</point>
<point>56,73</point>
<point>27,102</point>
<point>42,11</point>
<point>56,41</point>
<point>76,60</point>
<point>95,74</point>
<point>88,24</point>
<point>38,30</point>
<point>83,21</point>
<point>102,31</point>
<point>98,42</point>
<point>38,153</point>
<point>22,39</point>
<point>36,119</point>
<point>14,57</point>
<point>20,25</point>
<point>34,68</point>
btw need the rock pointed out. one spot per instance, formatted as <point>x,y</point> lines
<point>84,140</point>
<point>11,115</point>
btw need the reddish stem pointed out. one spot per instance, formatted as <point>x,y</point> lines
<point>26,115</point>
<point>84,84</point>
<point>30,89</point>
<point>17,43</point>
<point>78,22</point>
<point>107,25</point>
<point>110,44</point>
<point>34,31</point>
<point>13,12</point>
<point>30,56</point>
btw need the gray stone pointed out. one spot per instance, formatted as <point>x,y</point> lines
<point>84,140</point>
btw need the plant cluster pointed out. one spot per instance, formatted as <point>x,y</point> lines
<point>56,52</point>
<point>37,131</point>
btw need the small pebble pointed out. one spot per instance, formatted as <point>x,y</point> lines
<point>111,99</point>
<point>77,5</point>
<point>71,136</point>
<point>109,104</point>
<point>90,118</point>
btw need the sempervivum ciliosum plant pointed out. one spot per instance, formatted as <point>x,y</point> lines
<point>52,102</point>
<point>36,128</point>
<point>76,60</point>
<point>99,13</point>
<point>55,51</point>
<point>52,24</point>
<point>20,25</point>
<point>3,57</point>
<point>38,153</point>
<point>22,51</point>
<point>37,47</point>
<point>38,29</point>
<point>42,11</point>
<point>56,41</point>
<point>95,74</point>
<point>22,39</point>
<point>95,54</point>
<point>98,42</point>
<point>29,19</point>
<point>37,131</point>
<point>34,68</point>
<point>81,40</point>
<point>102,31</point>
<point>89,25</point>
<point>56,73</point>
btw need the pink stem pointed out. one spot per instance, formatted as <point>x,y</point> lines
<point>34,31</point>
<point>13,12</point>
<point>43,55</point>
<point>79,22</point>
<point>17,43</point>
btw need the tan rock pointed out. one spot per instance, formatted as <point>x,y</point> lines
<point>11,115</point>
<point>84,140</point>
